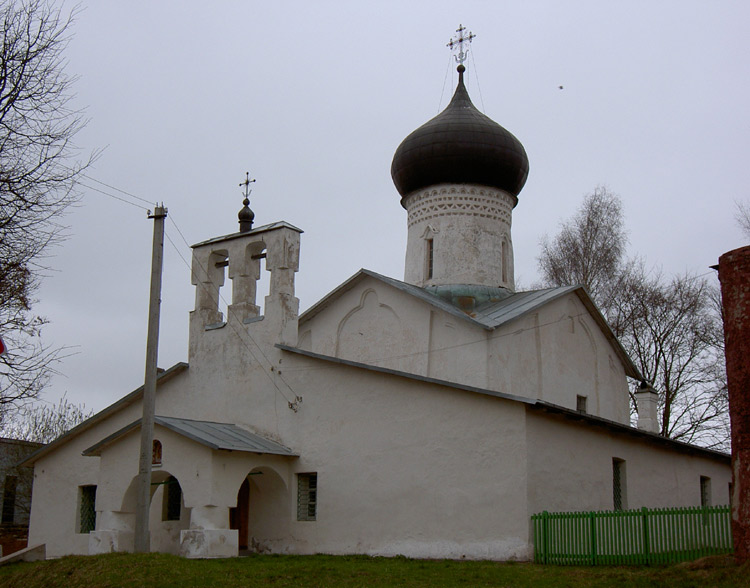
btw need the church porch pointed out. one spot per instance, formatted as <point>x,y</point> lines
<point>199,472</point>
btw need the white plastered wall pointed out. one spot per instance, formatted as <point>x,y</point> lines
<point>570,469</point>
<point>554,353</point>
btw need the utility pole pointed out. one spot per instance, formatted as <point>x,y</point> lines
<point>142,537</point>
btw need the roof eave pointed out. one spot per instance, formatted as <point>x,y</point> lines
<point>123,402</point>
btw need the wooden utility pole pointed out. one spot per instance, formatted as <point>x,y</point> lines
<point>142,537</point>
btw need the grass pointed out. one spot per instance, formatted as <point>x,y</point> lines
<point>128,570</point>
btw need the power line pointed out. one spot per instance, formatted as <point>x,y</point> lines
<point>293,404</point>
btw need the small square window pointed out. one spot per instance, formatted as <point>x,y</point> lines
<point>87,513</point>
<point>581,403</point>
<point>307,496</point>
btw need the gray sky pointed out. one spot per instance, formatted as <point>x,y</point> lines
<point>314,97</point>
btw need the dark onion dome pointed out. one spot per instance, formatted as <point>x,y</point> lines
<point>460,146</point>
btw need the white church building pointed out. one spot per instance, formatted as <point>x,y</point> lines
<point>429,417</point>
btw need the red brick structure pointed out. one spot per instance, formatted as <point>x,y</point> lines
<point>734,274</point>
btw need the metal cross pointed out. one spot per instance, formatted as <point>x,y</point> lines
<point>458,42</point>
<point>247,183</point>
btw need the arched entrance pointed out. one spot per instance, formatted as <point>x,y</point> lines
<point>262,515</point>
<point>167,513</point>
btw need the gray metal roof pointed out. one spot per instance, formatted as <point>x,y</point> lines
<point>494,314</point>
<point>411,289</point>
<point>123,402</point>
<point>532,404</point>
<point>237,235</point>
<point>226,436</point>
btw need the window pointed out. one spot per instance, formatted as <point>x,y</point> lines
<point>619,493</point>
<point>156,453</point>
<point>705,491</point>
<point>307,496</point>
<point>9,499</point>
<point>429,257</point>
<point>87,513</point>
<point>172,501</point>
<point>581,403</point>
<point>504,261</point>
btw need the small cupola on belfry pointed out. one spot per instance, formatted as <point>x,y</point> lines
<point>246,215</point>
<point>459,176</point>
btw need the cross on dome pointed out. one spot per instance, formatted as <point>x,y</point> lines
<point>458,41</point>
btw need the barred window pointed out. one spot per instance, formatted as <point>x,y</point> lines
<point>430,257</point>
<point>87,513</point>
<point>705,491</point>
<point>619,493</point>
<point>307,496</point>
<point>9,499</point>
<point>172,501</point>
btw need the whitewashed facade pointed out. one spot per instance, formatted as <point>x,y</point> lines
<point>430,417</point>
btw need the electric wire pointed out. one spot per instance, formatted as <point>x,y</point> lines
<point>113,196</point>
<point>445,81</point>
<point>292,403</point>
<point>476,77</point>
<point>115,188</point>
<point>244,343</point>
<point>238,333</point>
<point>466,343</point>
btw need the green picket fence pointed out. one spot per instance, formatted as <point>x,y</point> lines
<point>645,536</point>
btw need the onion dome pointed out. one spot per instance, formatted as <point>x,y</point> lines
<point>460,146</point>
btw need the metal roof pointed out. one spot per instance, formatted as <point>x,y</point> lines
<point>411,289</point>
<point>530,403</point>
<point>226,436</point>
<point>494,314</point>
<point>491,315</point>
<point>123,402</point>
<point>460,145</point>
<point>237,235</point>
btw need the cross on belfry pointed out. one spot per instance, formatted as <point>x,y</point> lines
<point>458,43</point>
<point>246,216</point>
<point>247,183</point>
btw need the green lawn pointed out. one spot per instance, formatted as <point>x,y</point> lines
<point>129,570</point>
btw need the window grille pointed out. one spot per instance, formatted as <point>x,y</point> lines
<point>430,257</point>
<point>307,496</point>
<point>581,403</point>
<point>9,499</point>
<point>172,500</point>
<point>88,509</point>
<point>705,491</point>
<point>619,497</point>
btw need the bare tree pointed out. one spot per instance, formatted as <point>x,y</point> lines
<point>43,423</point>
<point>589,249</point>
<point>743,217</point>
<point>38,173</point>
<point>671,328</point>
<point>673,333</point>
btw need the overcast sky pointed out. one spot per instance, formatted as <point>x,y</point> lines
<point>313,98</point>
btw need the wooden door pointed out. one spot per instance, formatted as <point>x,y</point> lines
<point>238,515</point>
